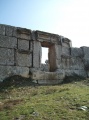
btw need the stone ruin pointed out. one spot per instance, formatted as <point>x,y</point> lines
<point>20,54</point>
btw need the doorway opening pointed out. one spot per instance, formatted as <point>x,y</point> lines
<point>44,58</point>
<point>48,56</point>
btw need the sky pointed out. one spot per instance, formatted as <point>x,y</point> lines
<point>69,18</point>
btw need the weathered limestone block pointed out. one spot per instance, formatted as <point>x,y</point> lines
<point>6,56</point>
<point>24,33</point>
<point>2,29</point>
<point>65,63</point>
<point>23,44</point>
<point>36,54</point>
<point>77,52</point>
<point>75,72</point>
<point>31,46</point>
<point>55,39</point>
<point>48,77</point>
<point>86,52</point>
<point>8,42</point>
<point>23,59</point>
<point>86,57</point>
<point>33,35</point>
<point>72,63</point>
<point>76,64</point>
<point>88,73</point>
<point>65,50</point>
<point>7,71</point>
<point>58,51</point>
<point>43,36</point>
<point>70,44</point>
<point>16,70</point>
<point>57,56</point>
<point>86,63</point>
<point>64,44</point>
<point>58,61</point>
<point>9,30</point>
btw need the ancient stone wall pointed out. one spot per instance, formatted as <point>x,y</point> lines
<point>15,53</point>
<point>20,54</point>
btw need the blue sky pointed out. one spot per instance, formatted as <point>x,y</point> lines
<point>69,18</point>
<point>34,14</point>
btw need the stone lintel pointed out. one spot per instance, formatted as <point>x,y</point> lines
<point>49,37</point>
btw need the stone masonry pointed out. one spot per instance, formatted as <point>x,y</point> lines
<point>20,54</point>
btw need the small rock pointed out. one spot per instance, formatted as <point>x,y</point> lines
<point>35,114</point>
<point>84,108</point>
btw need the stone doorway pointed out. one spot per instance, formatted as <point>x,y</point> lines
<point>51,55</point>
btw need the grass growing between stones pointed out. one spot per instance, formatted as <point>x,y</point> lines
<point>59,102</point>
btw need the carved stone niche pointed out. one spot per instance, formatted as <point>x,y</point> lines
<point>24,33</point>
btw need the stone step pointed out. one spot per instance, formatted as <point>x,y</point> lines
<point>48,77</point>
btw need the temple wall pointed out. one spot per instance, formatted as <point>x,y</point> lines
<point>20,53</point>
<point>15,54</point>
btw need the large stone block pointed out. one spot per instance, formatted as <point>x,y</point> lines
<point>86,57</point>
<point>65,50</point>
<point>75,72</point>
<point>48,77</point>
<point>16,70</point>
<point>11,31</point>
<point>24,33</point>
<point>77,52</point>
<point>7,71</point>
<point>88,73</point>
<point>72,63</point>
<point>8,42</point>
<point>43,36</point>
<point>55,39</point>
<point>58,51</point>
<point>36,54</point>
<point>6,56</point>
<point>76,64</point>
<point>64,44</point>
<point>70,44</point>
<point>86,52</point>
<point>23,44</point>
<point>2,29</point>
<point>23,59</point>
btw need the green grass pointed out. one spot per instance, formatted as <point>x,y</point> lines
<point>59,102</point>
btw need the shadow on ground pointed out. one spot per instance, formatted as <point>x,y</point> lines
<point>18,81</point>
